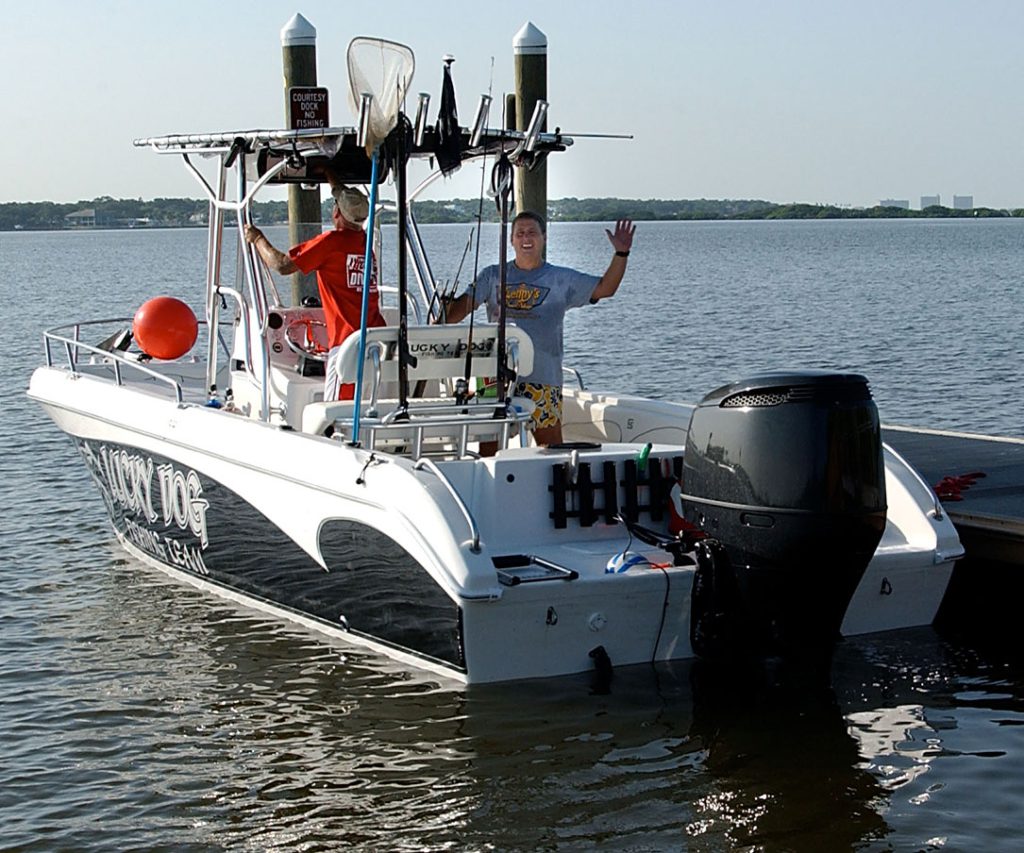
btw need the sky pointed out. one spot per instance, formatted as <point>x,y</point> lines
<point>820,101</point>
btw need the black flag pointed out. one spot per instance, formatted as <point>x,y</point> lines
<point>449,136</point>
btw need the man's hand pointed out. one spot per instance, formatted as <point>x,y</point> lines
<point>276,260</point>
<point>453,310</point>
<point>622,239</point>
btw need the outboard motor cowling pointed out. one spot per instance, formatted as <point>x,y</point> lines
<point>785,469</point>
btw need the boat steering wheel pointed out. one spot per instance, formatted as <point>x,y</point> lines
<point>303,340</point>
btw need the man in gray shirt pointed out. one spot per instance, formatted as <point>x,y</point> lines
<point>537,296</point>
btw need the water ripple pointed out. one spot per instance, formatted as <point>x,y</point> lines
<point>140,714</point>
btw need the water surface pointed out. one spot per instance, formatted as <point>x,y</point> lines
<point>137,713</point>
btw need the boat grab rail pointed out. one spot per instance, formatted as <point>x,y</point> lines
<point>73,345</point>
<point>936,511</point>
<point>572,371</point>
<point>241,206</point>
<point>474,411</point>
<point>247,337</point>
<point>424,464</point>
<point>256,274</point>
<point>432,418</point>
<point>248,195</point>
<point>420,260</point>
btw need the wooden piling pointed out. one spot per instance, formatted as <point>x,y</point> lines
<point>298,51</point>
<point>510,112</point>
<point>530,49</point>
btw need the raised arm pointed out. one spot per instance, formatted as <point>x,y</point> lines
<point>622,241</point>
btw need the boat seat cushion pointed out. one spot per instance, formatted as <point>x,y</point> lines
<point>440,352</point>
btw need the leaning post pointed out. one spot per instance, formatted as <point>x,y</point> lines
<point>530,49</point>
<point>298,50</point>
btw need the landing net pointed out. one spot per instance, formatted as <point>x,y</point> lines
<point>384,70</point>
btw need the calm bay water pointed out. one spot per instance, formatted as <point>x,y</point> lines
<point>137,713</point>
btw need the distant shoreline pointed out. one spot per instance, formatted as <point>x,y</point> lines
<point>107,213</point>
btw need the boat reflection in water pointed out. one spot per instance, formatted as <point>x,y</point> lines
<point>681,757</point>
<point>340,744</point>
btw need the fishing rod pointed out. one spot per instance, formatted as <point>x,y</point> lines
<point>437,300</point>
<point>458,272</point>
<point>405,358</point>
<point>441,295</point>
<point>501,184</point>
<point>462,385</point>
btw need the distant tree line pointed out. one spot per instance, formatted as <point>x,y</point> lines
<point>827,211</point>
<point>107,212</point>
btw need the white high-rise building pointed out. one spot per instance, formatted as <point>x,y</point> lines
<point>930,201</point>
<point>963,202</point>
<point>903,203</point>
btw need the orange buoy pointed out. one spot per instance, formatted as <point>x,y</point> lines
<point>165,327</point>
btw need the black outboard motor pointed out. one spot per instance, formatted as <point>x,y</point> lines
<point>784,469</point>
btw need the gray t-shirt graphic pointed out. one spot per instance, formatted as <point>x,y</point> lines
<point>536,301</point>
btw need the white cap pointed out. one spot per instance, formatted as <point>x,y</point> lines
<point>529,40</point>
<point>298,32</point>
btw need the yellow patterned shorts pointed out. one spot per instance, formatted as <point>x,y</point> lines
<point>548,399</point>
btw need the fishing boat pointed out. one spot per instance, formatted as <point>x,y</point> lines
<point>768,518</point>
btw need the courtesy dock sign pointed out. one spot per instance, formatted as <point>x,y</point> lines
<point>307,107</point>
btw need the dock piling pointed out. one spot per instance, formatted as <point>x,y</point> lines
<point>530,49</point>
<point>298,51</point>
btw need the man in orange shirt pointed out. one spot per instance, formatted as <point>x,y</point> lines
<point>338,257</point>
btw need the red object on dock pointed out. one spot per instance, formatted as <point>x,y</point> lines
<point>950,488</point>
<point>165,327</point>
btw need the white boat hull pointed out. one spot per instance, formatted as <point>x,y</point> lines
<point>376,550</point>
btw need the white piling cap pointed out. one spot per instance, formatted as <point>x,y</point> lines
<point>529,40</point>
<point>298,32</point>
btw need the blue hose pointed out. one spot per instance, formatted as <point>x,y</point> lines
<point>367,277</point>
